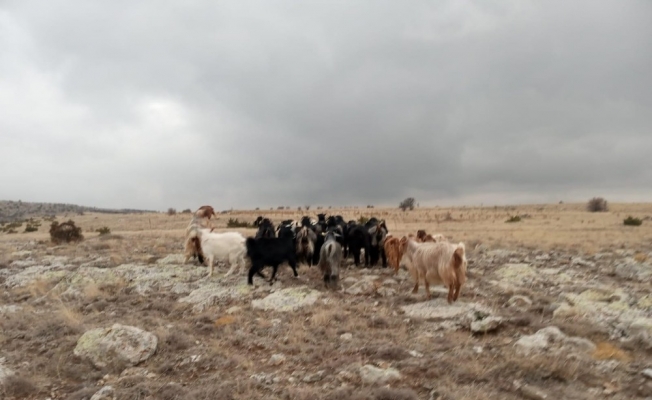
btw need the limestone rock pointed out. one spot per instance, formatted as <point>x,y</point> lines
<point>289,299</point>
<point>519,274</point>
<point>552,338</point>
<point>439,309</point>
<point>373,375</point>
<point>215,293</point>
<point>119,343</point>
<point>106,393</point>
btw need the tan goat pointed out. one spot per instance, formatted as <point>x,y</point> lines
<point>436,263</point>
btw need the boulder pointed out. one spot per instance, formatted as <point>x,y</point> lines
<point>289,299</point>
<point>119,344</point>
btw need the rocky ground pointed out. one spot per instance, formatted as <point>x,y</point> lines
<point>121,318</point>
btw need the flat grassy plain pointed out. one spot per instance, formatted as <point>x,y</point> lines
<point>558,257</point>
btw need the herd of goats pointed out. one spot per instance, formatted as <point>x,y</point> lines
<point>326,242</point>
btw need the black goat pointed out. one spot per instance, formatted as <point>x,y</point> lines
<point>377,233</point>
<point>265,229</point>
<point>358,238</point>
<point>272,252</point>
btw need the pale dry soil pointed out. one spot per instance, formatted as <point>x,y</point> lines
<point>585,274</point>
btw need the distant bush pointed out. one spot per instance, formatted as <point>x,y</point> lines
<point>31,228</point>
<point>407,204</point>
<point>363,220</point>
<point>631,221</point>
<point>172,211</point>
<point>234,223</point>
<point>597,204</point>
<point>370,206</point>
<point>105,230</point>
<point>65,232</point>
<point>8,228</point>
<point>186,211</point>
<point>307,208</point>
<point>514,218</point>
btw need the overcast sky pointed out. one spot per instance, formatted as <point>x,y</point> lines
<point>156,104</point>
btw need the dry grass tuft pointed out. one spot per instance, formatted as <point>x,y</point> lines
<point>17,387</point>
<point>607,351</point>
<point>225,320</point>
<point>640,257</point>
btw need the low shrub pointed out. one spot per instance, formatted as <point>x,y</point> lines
<point>631,221</point>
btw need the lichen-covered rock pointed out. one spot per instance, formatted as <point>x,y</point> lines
<point>100,262</point>
<point>172,259</point>
<point>373,375</point>
<point>439,309</point>
<point>289,299</point>
<point>482,322</point>
<point>630,269</point>
<point>106,393</point>
<point>518,274</point>
<point>119,344</point>
<point>551,338</point>
<point>4,371</point>
<point>215,293</point>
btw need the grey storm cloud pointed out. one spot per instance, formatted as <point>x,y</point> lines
<point>242,104</point>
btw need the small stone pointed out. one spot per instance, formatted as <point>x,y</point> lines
<point>106,393</point>
<point>374,375</point>
<point>532,393</point>
<point>520,302</point>
<point>416,354</point>
<point>277,359</point>
<point>233,310</point>
<point>346,336</point>
<point>485,325</point>
<point>647,373</point>
<point>312,378</point>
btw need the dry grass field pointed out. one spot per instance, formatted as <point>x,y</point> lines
<point>584,273</point>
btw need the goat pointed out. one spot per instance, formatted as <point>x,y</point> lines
<point>228,247</point>
<point>193,244</point>
<point>393,252</point>
<point>265,229</point>
<point>330,258</point>
<point>205,212</point>
<point>305,242</point>
<point>436,238</point>
<point>436,263</point>
<point>357,238</point>
<point>377,232</point>
<point>273,251</point>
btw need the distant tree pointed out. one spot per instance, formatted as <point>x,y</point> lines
<point>407,204</point>
<point>307,208</point>
<point>186,211</point>
<point>172,211</point>
<point>597,204</point>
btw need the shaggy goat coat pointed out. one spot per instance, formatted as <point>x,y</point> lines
<point>436,263</point>
<point>228,247</point>
<point>393,252</point>
<point>305,243</point>
<point>193,238</point>
<point>329,260</point>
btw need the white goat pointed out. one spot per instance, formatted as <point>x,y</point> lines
<point>228,247</point>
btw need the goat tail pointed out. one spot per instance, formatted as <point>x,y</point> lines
<point>197,248</point>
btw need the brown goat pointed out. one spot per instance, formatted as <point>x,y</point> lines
<point>436,263</point>
<point>205,212</point>
<point>393,252</point>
